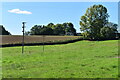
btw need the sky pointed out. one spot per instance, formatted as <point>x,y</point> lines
<point>60,0</point>
<point>42,13</point>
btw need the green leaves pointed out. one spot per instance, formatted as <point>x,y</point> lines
<point>92,22</point>
<point>51,29</point>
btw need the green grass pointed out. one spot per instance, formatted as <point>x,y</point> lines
<point>83,59</point>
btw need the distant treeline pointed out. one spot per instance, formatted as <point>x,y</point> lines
<point>3,31</point>
<point>52,29</point>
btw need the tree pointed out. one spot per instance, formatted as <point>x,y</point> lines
<point>50,25</point>
<point>69,28</point>
<point>109,31</point>
<point>27,33</point>
<point>58,29</point>
<point>35,30</point>
<point>51,29</point>
<point>4,31</point>
<point>41,30</point>
<point>46,31</point>
<point>95,18</point>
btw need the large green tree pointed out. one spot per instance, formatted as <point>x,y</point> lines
<point>95,18</point>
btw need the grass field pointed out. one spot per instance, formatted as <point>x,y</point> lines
<point>83,59</point>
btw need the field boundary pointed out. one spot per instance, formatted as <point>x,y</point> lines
<point>51,43</point>
<point>46,43</point>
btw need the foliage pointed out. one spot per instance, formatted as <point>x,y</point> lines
<point>93,23</point>
<point>36,30</point>
<point>69,28</point>
<point>3,31</point>
<point>59,29</point>
<point>109,31</point>
<point>46,30</point>
<point>27,33</point>
<point>51,29</point>
<point>41,30</point>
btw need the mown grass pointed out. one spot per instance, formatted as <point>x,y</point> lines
<point>83,59</point>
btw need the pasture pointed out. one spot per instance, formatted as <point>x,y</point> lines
<point>82,59</point>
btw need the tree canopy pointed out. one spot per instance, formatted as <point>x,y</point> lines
<point>3,31</point>
<point>94,23</point>
<point>51,29</point>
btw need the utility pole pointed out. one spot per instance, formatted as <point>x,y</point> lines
<point>23,37</point>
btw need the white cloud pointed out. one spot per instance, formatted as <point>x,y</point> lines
<point>18,11</point>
